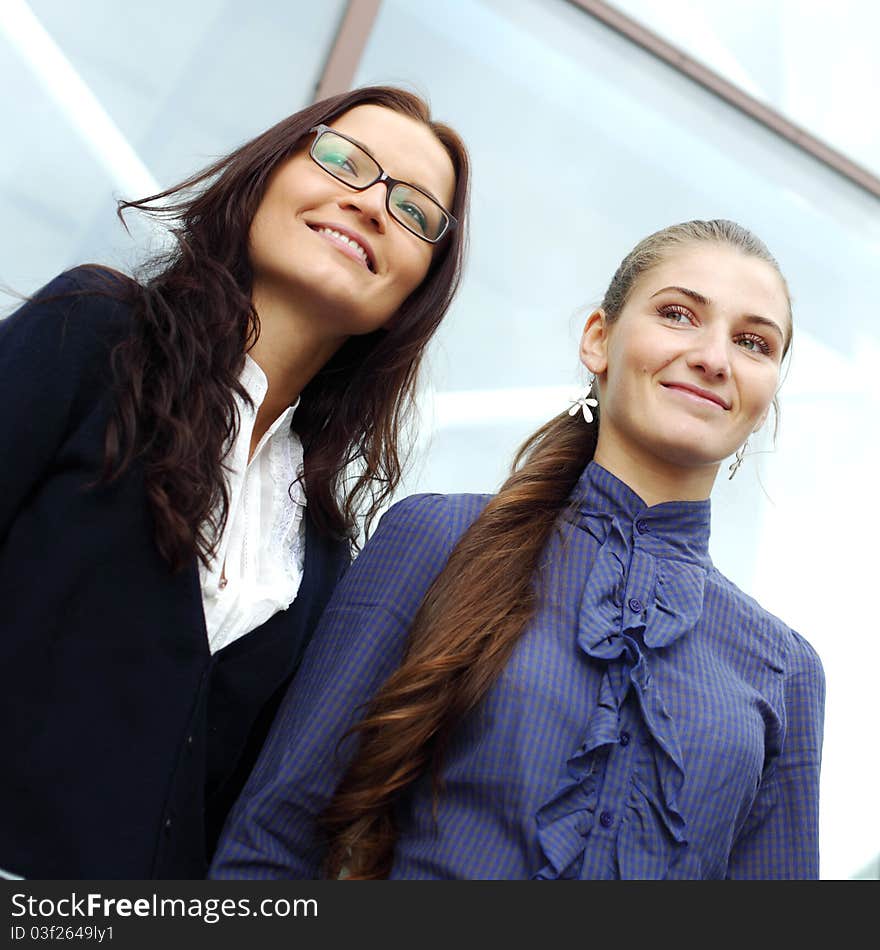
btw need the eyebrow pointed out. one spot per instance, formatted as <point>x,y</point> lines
<point>413,184</point>
<point>697,297</point>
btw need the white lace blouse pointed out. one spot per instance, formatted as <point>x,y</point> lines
<point>259,562</point>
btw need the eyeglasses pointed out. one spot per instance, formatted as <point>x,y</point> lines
<point>349,163</point>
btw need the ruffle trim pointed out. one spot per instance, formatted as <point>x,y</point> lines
<point>652,836</point>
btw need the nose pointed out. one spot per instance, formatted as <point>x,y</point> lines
<point>370,203</point>
<point>710,355</point>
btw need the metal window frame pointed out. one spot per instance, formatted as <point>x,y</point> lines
<point>730,93</point>
<point>347,49</point>
<point>360,16</point>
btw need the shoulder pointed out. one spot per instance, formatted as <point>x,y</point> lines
<point>792,651</point>
<point>90,296</point>
<point>435,514</point>
<point>55,350</point>
<point>71,323</point>
<point>87,279</point>
<point>410,546</point>
<point>805,664</point>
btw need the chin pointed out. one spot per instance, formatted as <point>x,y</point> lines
<point>691,446</point>
<point>351,323</point>
<point>691,455</point>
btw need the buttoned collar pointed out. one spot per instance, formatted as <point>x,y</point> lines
<point>672,528</point>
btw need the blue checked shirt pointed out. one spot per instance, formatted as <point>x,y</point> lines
<point>653,722</point>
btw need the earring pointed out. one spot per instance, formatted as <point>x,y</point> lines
<point>585,403</point>
<point>733,468</point>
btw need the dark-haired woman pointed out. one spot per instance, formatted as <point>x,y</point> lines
<point>555,681</point>
<point>186,459</point>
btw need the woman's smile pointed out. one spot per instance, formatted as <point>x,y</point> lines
<point>697,395</point>
<point>304,209</point>
<point>352,245</point>
<point>688,369</point>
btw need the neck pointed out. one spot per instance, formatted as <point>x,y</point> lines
<point>291,350</point>
<point>656,480</point>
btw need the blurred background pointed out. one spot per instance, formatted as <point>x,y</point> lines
<point>590,125</point>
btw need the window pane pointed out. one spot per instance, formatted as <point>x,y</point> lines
<point>103,100</point>
<point>812,60</point>
<point>582,144</point>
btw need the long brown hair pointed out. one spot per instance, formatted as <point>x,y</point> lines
<point>177,373</point>
<point>479,605</point>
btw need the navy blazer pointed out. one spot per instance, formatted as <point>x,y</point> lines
<point>124,740</point>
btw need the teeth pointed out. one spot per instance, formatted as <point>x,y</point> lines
<point>347,240</point>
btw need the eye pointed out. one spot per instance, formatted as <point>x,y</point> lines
<point>754,343</point>
<point>407,209</point>
<point>675,313</point>
<point>341,161</point>
<point>338,161</point>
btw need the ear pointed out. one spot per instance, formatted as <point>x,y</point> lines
<point>594,343</point>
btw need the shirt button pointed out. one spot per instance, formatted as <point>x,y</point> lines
<point>635,605</point>
<point>606,819</point>
<point>642,527</point>
<point>624,738</point>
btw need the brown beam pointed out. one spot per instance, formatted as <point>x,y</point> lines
<point>731,93</point>
<point>347,49</point>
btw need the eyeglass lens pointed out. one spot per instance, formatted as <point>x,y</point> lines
<point>408,205</point>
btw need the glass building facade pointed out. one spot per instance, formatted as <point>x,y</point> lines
<point>584,138</point>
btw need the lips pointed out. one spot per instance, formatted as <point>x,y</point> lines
<point>351,244</point>
<point>698,392</point>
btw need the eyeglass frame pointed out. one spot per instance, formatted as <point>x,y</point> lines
<point>383,176</point>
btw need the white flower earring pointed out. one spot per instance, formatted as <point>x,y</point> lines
<point>733,468</point>
<point>585,403</point>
